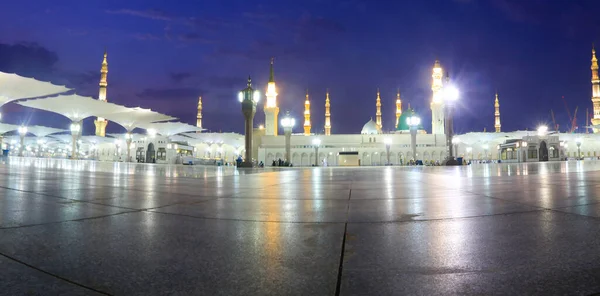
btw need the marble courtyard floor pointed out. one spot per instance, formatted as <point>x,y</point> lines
<point>88,228</point>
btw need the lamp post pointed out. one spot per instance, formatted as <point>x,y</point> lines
<point>316,142</point>
<point>288,124</point>
<point>388,143</point>
<point>413,123</point>
<point>249,98</point>
<point>22,132</point>
<point>450,96</point>
<point>75,129</point>
<point>578,142</point>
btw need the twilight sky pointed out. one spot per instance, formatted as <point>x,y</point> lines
<point>164,54</point>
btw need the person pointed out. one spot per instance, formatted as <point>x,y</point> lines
<point>274,163</point>
<point>261,164</point>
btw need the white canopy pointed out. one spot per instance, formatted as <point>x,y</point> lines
<point>75,107</point>
<point>169,129</point>
<point>42,131</point>
<point>136,117</point>
<point>14,87</point>
<point>233,139</point>
<point>4,128</point>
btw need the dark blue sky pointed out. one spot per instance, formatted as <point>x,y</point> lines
<point>163,54</point>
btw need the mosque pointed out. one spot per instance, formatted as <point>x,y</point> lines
<point>167,141</point>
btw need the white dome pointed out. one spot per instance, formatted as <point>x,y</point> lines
<point>370,128</point>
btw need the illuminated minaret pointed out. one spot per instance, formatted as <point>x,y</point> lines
<point>327,115</point>
<point>437,102</point>
<point>595,91</point>
<point>497,114</point>
<point>307,115</point>
<point>378,113</point>
<point>398,108</point>
<point>271,109</point>
<point>199,115</point>
<point>100,122</point>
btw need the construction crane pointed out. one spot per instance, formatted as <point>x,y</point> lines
<point>574,121</point>
<point>554,121</point>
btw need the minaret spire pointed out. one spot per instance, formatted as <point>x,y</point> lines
<point>199,115</point>
<point>307,124</point>
<point>398,108</point>
<point>497,114</point>
<point>271,109</point>
<point>378,113</point>
<point>595,90</point>
<point>100,122</point>
<point>437,103</point>
<point>327,115</point>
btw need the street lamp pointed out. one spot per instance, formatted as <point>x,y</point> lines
<point>388,143</point>
<point>288,123</point>
<point>316,142</point>
<point>151,132</point>
<point>542,130</point>
<point>578,141</point>
<point>117,144</point>
<point>413,123</point>
<point>249,98</point>
<point>451,94</point>
<point>469,153</point>
<point>22,132</point>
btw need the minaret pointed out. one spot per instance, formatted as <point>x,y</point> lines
<point>398,108</point>
<point>307,115</point>
<point>199,115</point>
<point>595,90</point>
<point>327,115</point>
<point>437,102</point>
<point>100,122</point>
<point>378,113</point>
<point>271,109</point>
<point>497,114</point>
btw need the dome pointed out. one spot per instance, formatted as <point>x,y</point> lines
<point>402,121</point>
<point>370,128</point>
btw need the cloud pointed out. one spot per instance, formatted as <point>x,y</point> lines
<point>180,76</point>
<point>28,59</point>
<point>168,94</point>
<point>145,37</point>
<point>194,37</point>
<point>153,14</point>
<point>225,81</point>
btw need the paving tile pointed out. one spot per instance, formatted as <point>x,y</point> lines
<point>150,253</point>
<point>543,253</point>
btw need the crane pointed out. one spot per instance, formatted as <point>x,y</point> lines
<point>574,121</point>
<point>554,121</point>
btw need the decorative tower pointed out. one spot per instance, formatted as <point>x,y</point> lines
<point>100,122</point>
<point>595,91</point>
<point>271,109</point>
<point>497,114</point>
<point>437,101</point>
<point>327,115</point>
<point>307,115</point>
<point>199,115</point>
<point>378,113</point>
<point>398,108</point>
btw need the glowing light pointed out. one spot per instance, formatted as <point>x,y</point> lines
<point>256,96</point>
<point>451,93</point>
<point>413,121</point>
<point>455,140</point>
<point>241,96</point>
<point>151,132</point>
<point>387,141</point>
<point>316,141</point>
<point>261,127</point>
<point>22,130</point>
<point>75,127</point>
<point>288,122</point>
<point>578,141</point>
<point>542,130</point>
<point>524,144</point>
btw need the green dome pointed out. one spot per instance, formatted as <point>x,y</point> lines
<point>402,124</point>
